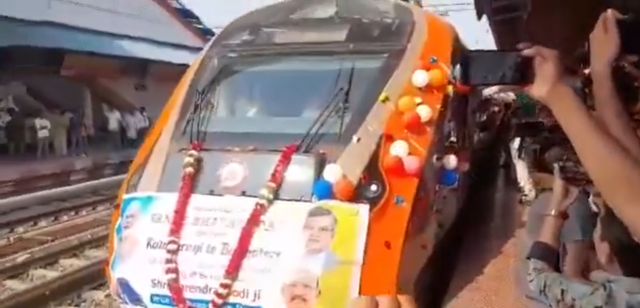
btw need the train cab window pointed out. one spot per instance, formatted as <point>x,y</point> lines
<point>286,94</point>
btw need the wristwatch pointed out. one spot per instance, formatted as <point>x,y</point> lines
<point>560,214</point>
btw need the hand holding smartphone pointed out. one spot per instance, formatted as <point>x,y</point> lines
<point>496,67</point>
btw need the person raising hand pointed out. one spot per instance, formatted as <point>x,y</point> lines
<point>613,169</point>
<point>604,43</point>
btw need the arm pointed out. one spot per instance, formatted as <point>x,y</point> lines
<point>577,235</point>
<point>603,157</point>
<point>557,289</point>
<point>611,112</point>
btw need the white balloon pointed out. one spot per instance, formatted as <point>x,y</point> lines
<point>450,162</point>
<point>420,78</point>
<point>332,173</point>
<point>399,148</point>
<point>425,113</point>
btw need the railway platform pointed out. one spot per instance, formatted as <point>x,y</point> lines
<point>487,272</point>
<point>480,260</point>
<point>17,169</point>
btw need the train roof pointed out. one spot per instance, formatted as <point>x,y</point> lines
<point>354,22</point>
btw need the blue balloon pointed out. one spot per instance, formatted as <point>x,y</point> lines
<point>323,190</point>
<point>449,178</point>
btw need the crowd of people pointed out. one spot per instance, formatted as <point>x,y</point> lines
<point>584,238</point>
<point>63,133</point>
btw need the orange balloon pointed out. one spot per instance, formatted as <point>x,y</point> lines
<point>407,103</point>
<point>343,189</point>
<point>437,78</point>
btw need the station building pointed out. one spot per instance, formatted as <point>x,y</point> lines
<point>85,57</point>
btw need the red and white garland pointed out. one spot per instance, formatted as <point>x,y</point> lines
<point>191,167</point>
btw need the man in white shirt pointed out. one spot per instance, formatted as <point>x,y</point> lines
<point>114,120</point>
<point>43,135</point>
<point>319,231</point>
<point>131,128</point>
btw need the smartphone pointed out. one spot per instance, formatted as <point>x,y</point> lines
<point>495,67</point>
<point>628,27</point>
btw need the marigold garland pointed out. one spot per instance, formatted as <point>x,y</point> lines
<point>191,168</point>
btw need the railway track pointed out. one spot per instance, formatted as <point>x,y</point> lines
<point>52,253</point>
<point>38,182</point>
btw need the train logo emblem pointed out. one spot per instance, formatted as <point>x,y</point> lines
<point>232,174</point>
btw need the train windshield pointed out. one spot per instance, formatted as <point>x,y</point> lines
<point>285,95</point>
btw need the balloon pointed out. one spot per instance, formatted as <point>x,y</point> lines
<point>406,103</point>
<point>399,148</point>
<point>393,164</point>
<point>462,89</point>
<point>412,121</point>
<point>464,166</point>
<point>448,178</point>
<point>412,165</point>
<point>420,78</point>
<point>322,190</point>
<point>332,173</point>
<point>464,157</point>
<point>343,189</point>
<point>425,113</point>
<point>450,162</point>
<point>437,78</point>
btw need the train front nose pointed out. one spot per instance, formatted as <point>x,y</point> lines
<point>244,174</point>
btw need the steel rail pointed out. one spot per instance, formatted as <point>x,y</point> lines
<point>37,182</point>
<point>39,217</point>
<point>42,197</point>
<point>31,258</point>
<point>57,289</point>
<point>48,247</point>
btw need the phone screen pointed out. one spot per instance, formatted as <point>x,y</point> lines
<point>495,67</point>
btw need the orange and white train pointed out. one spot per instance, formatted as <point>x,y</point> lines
<point>347,106</point>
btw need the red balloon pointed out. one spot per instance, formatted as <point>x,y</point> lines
<point>393,165</point>
<point>412,121</point>
<point>464,155</point>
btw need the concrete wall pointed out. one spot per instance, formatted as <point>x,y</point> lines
<point>72,95</point>
<point>63,91</point>
<point>153,98</point>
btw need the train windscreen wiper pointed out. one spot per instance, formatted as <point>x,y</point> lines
<point>338,106</point>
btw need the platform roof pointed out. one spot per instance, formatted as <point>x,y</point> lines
<point>138,19</point>
<point>21,33</point>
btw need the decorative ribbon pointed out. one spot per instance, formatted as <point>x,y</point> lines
<point>191,168</point>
